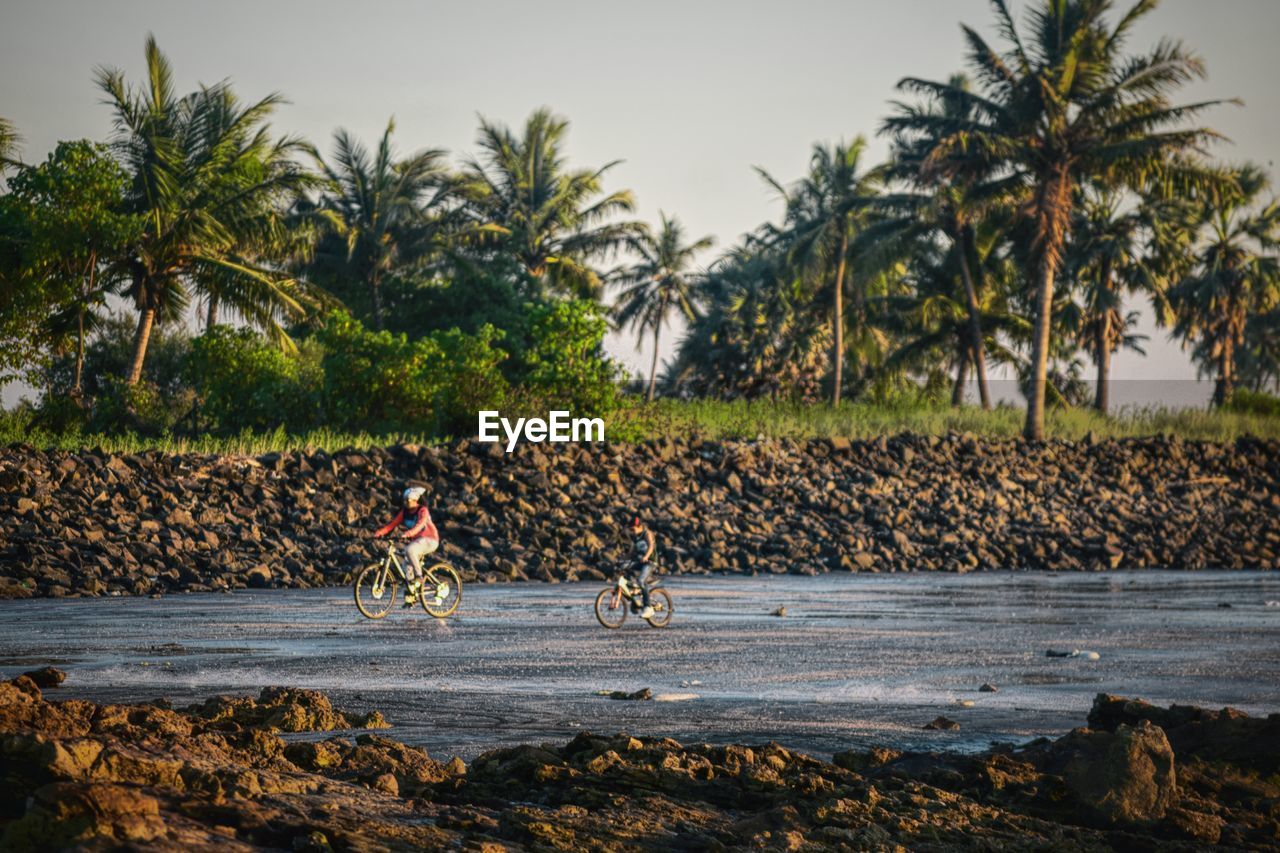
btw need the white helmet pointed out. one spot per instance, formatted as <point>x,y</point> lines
<point>413,493</point>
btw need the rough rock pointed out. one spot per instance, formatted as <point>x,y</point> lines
<point>46,677</point>
<point>161,523</point>
<point>1121,776</point>
<point>95,777</point>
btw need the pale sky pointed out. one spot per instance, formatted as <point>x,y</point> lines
<point>689,94</point>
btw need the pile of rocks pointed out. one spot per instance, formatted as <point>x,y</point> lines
<point>93,523</point>
<point>108,777</point>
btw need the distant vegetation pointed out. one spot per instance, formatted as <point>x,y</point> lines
<point>712,420</point>
<point>277,289</point>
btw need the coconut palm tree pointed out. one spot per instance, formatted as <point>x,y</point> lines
<point>949,199</point>
<point>1258,359</point>
<point>380,210</point>
<point>1060,107</point>
<point>1106,260</point>
<point>196,164</point>
<point>756,333</point>
<point>659,284</point>
<point>934,322</point>
<point>526,204</point>
<point>825,211</point>
<point>9,140</point>
<point>1236,275</point>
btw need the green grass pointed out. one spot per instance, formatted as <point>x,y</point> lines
<point>243,444</point>
<point>713,420</point>
<point>741,419</point>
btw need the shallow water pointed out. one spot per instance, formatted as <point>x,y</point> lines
<point>858,660</point>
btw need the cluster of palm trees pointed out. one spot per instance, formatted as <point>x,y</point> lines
<point>1023,203</point>
<point>1020,206</point>
<point>242,223</point>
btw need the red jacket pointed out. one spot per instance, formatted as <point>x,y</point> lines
<point>416,526</point>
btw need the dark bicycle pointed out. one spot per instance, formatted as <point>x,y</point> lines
<point>625,595</point>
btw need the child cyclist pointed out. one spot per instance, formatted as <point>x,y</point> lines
<point>423,538</point>
<point>643,544</point>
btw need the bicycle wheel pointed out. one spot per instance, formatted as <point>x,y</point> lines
<point>611,608</point>
<point>375,590</point>
<point>662,608</point>
<point>441,590</point>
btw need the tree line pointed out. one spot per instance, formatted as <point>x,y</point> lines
<point>1024,202</point>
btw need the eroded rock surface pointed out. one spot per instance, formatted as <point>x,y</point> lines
<point>218,777</point>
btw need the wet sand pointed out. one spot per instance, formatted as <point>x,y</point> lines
<point>859,660</point>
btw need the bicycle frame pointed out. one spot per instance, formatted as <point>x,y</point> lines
<point>622,586</point>
<point>393,559</point>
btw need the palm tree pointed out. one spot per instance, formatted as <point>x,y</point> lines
<point>1057,109</point>
<point>380,209</point>
<point>935,320</point>
<point>658,284</point>
<point>269,234</point>
<point>1258,358</point>
<point>1236,275</point>
<point>527,205</point>
<point>951,199</point>
<point>1106,260</point>
<point>9,140</point>
<point>825,212</point>
<point>196,164</point>
<point>755,333</point>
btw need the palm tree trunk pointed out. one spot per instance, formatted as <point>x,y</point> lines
<point>653,368</point>
<point>962,369</point>
<point>76,391</point>
<point>211,319</point>
<point>1102,355</point>
<point>1055,202</point>
<point>1033,430</point>
<point>1226,366</point>
<point>975,326</point>
<point>837,323</point>
<point>375,290</point>
<point>145,321</point>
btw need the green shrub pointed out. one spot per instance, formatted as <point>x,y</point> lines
<point>246,382</point>
<point>565,366</point>
<point>382,382</point>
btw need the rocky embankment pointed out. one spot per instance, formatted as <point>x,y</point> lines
<point>93,523</point>
<point>219,776</point>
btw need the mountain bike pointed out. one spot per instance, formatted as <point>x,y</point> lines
<point>376,586</point>
<point>613,603</point>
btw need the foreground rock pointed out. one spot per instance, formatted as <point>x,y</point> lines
<point>92,523</point>
<point>127,777</point>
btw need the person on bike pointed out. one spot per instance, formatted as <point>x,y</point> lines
<point>643,544</point>
<point>415,522</point>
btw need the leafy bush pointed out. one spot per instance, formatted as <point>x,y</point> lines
<point>380,381</point>
<point>565,366</point>
<point>147,408</point>
<point>247,383</point>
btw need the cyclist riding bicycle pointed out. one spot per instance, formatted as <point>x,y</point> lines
<point>643,544</point>
<point>416,526</point>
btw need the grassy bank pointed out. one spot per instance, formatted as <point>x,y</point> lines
<point>713,420</point>
<point>740,419</point>
<point>242,444</point>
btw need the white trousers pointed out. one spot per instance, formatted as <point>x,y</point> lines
<point>414,552</point>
